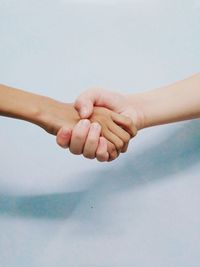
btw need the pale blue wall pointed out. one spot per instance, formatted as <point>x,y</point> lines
<point>141,210</point>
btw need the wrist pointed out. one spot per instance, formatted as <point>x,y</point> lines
<point>136,108</point>
<point>45,113</point>
<point>155,107</point>
<point>36,112</point>
<point>52,115</point>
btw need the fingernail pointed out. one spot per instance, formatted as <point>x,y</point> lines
<point>85,123</point>
<point>84,112</point>
<point>95,127</point>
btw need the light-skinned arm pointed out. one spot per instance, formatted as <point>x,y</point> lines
<point>176,102</point>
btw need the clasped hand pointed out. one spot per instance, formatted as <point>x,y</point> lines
<point>94,131</point>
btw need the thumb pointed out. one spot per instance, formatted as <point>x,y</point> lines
<point>84,106</point>
<point>96,97</point>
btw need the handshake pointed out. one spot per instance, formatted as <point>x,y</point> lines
<point>98,125</point>
<point>101,123</point>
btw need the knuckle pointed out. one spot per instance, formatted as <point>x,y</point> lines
<point>120,145</point>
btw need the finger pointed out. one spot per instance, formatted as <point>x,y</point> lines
<point>120,132</point>
<point>63,137</point>
<point>92,141</point>
<point>101,153</point>
<point>124,149</point>
<point>84,106</point>
<point>79,135</point>
<point>112,151</point>
<point>115,140</point>
<point>125,122</point>
<point>85,102</point>
<point>96,97</point>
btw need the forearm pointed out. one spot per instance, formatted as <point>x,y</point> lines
<point>177,102</point>
<point>43,111</point>
<point>20,105</point>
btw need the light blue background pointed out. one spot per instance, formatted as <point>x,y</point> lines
<point>57,209</point>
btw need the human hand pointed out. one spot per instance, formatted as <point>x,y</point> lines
<point>116,131</point>
<point>60,119</point>
<point>55,115</point>
<point>116,128</point>
<point>117,102</point>
<point>127,105</point>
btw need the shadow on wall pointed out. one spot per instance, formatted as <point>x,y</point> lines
<point>176,154</point>
<point>52,206</point>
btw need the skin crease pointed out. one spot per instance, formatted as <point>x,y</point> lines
<point>114,130</point>
<point>176,102</point>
